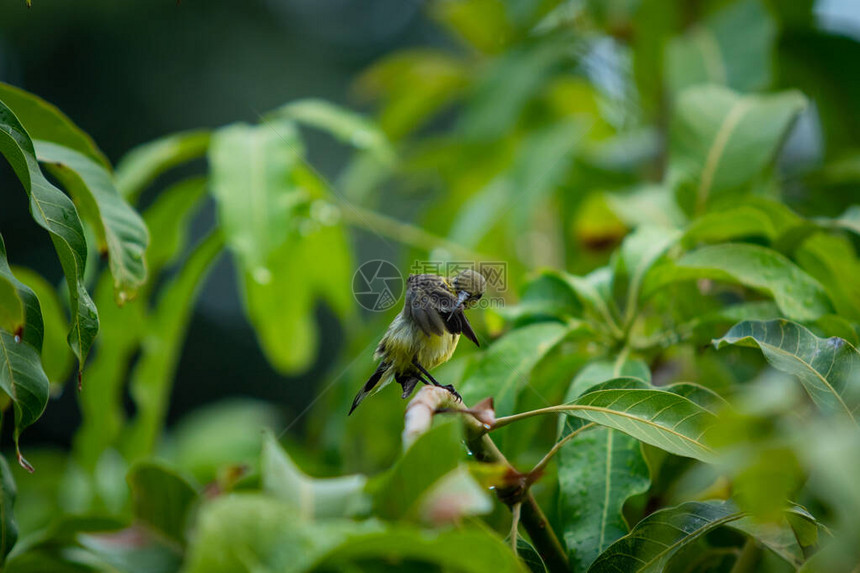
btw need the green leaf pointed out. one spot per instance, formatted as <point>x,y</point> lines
<point>506,85</point>
<point>253,533</point>
<point>11,307</point>
<point>467,549</point>
<point>120,232</point>
<point>598,471</point>
<point>756,217</point>
<point>826,367</point>
<point>44,121</point>
<point>140,166</point>
<point>656,539</point>
<point>587,289</point>
<point>57,358</point>
<point>433,455</point>
<point>311,498</point>
<point>662,418</point>
<point>279,226</point>
<point>638,253</point>
<point>34,329</point>
<point>169,221</point>
<point>56,213</point>
<point>732,48</point>
<point>252,179</point>
<point>24,381</point>
<point>152,376</point>
<point>282,309</point>
<point>833,261</point>
<point>221,435</point>
<point>547,296</point>
<point>797,295</point>
<point>8,525</point>
<point>346,125</point>
<point>414,85</point>
<point>721,141</point>
<point>504,369</point>
<point>162,499</point>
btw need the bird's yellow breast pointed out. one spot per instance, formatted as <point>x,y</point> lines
<point>405,341</point>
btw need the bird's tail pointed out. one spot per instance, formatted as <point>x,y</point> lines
<point>369,385</point>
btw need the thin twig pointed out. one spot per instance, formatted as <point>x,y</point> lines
<point>404,232</point>
<point>539,467</point>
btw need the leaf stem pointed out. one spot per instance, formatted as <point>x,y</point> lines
<point>539,467</point>
<point>505,420</point>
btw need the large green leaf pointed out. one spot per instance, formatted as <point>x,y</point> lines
<point>504,369</point>
<point>732,47</point>
<point>162,499</point>
<point>797,295</point>
<point>120,232</point>
<point>253,533</point>
<point>720,141</point>
<point>660,417</point>
<point>24,381</point>
<point>433,455</point>
<point>44,121</point>
<point>598,471</point>
<point>252,178</point>
<point>162,342</point>
<point>140,166</point>
<point>828,368</point>
<point>8,525</point>
<point>311,498</point>
<point>658,537</point>
<point>56,213</point>
<point>279,226</point>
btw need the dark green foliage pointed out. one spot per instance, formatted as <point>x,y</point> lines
<point>677,374</point>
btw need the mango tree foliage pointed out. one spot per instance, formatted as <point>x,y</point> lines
<point>655,175</point>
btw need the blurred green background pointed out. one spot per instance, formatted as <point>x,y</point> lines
<point>131,72</point>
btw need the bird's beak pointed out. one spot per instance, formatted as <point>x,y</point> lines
<point>461,298</point>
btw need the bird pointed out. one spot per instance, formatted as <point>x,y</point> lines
<point>425,333</point>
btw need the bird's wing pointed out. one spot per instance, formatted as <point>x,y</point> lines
<point>432,304</point>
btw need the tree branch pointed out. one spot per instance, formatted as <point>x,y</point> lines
<point>419,415</point>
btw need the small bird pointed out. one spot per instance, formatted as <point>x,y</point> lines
<point>425,333</point>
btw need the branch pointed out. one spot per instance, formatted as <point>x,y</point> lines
<point>402,232</point>
<point>419,415</point>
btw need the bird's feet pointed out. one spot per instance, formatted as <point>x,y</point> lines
<point>450,388</point>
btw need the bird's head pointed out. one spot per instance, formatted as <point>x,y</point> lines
<point>469,287</point>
